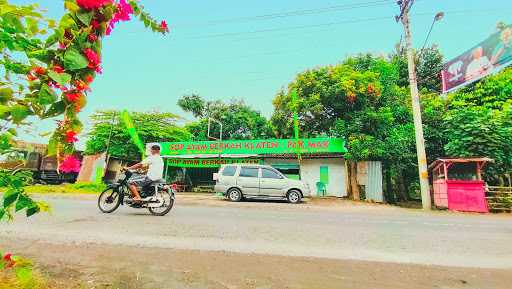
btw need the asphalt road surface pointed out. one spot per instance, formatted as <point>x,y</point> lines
<point>379,234</point>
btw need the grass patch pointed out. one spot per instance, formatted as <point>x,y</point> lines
<point>8,280</point>
<point>78,188</point>
<point>39,280</point>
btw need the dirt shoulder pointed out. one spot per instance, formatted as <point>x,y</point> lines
<point>104,266</point>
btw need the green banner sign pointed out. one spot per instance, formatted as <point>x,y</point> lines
<point>270,146</point>
<point>208,163</point>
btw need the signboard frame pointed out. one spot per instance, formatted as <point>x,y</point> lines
<point>253,147</point>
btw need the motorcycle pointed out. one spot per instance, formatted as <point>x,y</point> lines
<point>158,197</point>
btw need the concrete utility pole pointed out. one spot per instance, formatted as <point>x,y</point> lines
<point>405,7</point>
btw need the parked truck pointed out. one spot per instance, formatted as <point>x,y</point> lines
<point>34,157</point>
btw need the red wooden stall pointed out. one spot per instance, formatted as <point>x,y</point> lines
<point>458,184</point>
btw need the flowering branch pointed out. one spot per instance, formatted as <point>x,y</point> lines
<point>57,75</point>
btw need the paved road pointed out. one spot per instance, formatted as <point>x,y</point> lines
<point>370,233</point>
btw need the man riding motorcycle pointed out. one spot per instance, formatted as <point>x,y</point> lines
<point>155,165</point>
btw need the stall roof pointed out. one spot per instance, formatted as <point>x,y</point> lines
<point>460,160</point>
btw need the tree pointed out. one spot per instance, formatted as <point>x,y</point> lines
<point>193,103</point>
<point>358,100</point>
<point>478,122</point>
<point>239,120</point>
<point>50,77</point>
<point>108,131</point>
<point>429,63</point>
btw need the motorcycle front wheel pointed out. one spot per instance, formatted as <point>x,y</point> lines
<point>109,200</point>
<point>168,203</point>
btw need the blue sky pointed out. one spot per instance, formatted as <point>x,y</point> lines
<point>225,48</point>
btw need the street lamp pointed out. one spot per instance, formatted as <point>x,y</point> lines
<point>439,16</point>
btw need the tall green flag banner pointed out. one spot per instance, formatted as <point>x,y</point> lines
<point>296,121</point>
<point>130,128</point>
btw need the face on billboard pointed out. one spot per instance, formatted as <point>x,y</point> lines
<point>491,55</point>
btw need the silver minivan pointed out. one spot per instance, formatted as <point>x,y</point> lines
<point>240,181</point>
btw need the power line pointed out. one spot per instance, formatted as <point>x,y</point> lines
<point>353,21</point>
<point>291,28</point>
<point>293,13</point>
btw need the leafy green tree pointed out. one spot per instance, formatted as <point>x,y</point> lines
<point>194,104</point>
<point>239,120</point>
<point>478,123</point>
<point>108,131</point>
<point>429,64</point>
<point>358,100</point>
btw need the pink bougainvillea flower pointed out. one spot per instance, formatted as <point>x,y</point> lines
<point>62,45</point>
<point>163,26</point>
<point>73,96</point>
<point>92,4</point>
<point>71,137</point>
<point>81,85</point>
<point>30,77</point>
<point>95,24</point>
<point>39,70</point>
<point>123,12</point>
<point>89,79</point>
<point>92,37</point>
<point>93,58</point>
<point>58,69</point>
<point>70,164</point>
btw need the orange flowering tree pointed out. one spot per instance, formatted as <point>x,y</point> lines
<point>48,68</point>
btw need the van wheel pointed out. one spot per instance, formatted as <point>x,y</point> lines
<point>235,195</point>
<point>294,197</point>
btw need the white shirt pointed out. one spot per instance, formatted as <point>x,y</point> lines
<point>156,167</point>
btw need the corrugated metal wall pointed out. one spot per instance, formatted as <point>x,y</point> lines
<point>374,182</point>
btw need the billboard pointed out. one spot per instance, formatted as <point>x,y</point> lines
<point>270,146</point>
<point>491,55</point>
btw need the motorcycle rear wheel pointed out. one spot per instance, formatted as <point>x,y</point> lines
<point>166,207</point>
<point>109,200</point>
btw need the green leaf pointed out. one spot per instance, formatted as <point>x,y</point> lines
<point>24,202</point>
<point>4,111</point>
<point>46,95</point>
<point>52,147</point>
<point>5,94</point>
<point>71,5</point>
<point>10,197</point>
<point>84,17</point>
<point>41,55</point>
<point>19,113</point>
<point>2,213</point>
<point>74,60</point>
<point>52,39</point>
<point>32,25</point>
<point>60,78</point>
<point>32,210</point>
<point>57,108</point>
<point>67,21</point>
